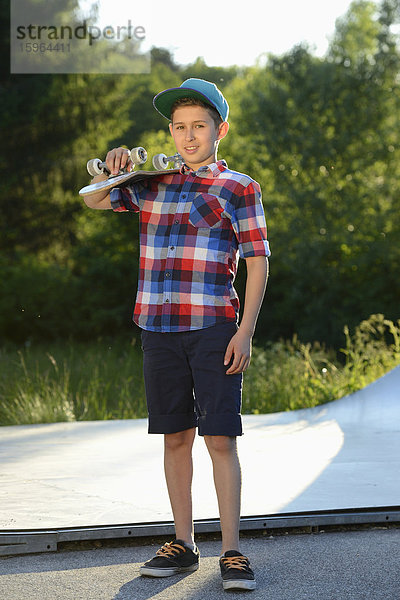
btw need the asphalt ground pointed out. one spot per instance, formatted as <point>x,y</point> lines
<point>332,565</point>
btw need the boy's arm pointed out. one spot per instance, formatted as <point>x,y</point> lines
<point>116,159</point>
<point>240,345</point>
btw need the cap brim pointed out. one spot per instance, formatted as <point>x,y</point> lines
<point>164,100</point>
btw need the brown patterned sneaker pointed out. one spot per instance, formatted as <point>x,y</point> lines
<point>174,557</point>
<point>236,572</point>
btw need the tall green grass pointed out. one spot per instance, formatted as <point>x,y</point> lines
<point>290,375</point>
<point>71,382</point>
<point>101,380</point>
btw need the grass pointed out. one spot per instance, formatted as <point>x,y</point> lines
<point>290,375</point>
<point>101,380</point>
<point>71,382</point>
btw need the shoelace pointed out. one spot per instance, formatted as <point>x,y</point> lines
<point>170,549</point>
<point>235,562</point>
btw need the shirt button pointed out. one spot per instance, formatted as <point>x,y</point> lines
<point>166,300</point>
<point>183,196</point>
<point>177,221</point>
<point>172,248</point>
<point>167,274</point>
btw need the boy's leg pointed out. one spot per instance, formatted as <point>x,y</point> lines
<point>181,555</point>
<point>218,403</point>
<point>227,480</point>
<point>178,467</point>
<point>235,568</point>
<point>170,402</point>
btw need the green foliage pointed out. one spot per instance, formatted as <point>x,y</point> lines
<point>36,397</point>
<point>291,375</point>
<point>72,382</point>
<point>221,76</point>
<point>41,300</point>
<point>357,34</point>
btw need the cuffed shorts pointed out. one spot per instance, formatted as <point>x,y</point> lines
<point>186,381</point>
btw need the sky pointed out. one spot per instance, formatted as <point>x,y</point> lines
<point>234,33</point>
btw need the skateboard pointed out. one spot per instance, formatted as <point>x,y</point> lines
<point>138,156</point>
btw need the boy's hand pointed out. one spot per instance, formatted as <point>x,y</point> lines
<point>240,349</point>
<point>117,159</point>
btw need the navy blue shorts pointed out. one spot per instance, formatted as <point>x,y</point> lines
<point>186,381</point>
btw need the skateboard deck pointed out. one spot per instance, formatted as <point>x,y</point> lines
<point>117,180</point>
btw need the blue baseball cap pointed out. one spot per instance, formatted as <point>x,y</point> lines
<point>192,88</point>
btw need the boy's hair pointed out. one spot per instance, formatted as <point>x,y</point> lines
<point>216,117</point>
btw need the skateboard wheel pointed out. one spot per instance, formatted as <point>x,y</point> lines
<point>93,167</point>
<point>138,155</point>
<point>160,162</point>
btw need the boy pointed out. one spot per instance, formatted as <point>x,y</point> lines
<point>192,226</point>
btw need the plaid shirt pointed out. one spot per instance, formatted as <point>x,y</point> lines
<point>193,225</point>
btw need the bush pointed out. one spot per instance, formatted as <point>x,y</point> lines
<point>291,375</point>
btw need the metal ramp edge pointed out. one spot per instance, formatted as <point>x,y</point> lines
<point>13,542</point>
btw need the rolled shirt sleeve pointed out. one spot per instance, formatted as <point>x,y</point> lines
<point>124,199</point>
<point>248,221</point>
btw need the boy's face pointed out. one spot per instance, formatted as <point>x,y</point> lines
<point>196,136</point>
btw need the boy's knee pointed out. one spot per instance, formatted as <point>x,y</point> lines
<point>221,444</point>
<point>179,440</point>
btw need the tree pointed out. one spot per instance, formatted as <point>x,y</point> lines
<point>324,139</point>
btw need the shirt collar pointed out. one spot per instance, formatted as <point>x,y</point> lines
<point>211,170</point>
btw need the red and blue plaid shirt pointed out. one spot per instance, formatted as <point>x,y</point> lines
<point>193,226</point>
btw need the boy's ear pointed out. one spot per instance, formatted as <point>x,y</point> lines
<point>170,127</point>
<point>223,129</point>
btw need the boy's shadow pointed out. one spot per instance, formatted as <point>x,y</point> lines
<point>142,588</point>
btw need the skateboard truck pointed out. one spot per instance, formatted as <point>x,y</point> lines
<point>96,167</point>
<point>160,161</point>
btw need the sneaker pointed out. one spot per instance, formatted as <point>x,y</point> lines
<point>174,557</point>
<point>236,572</point>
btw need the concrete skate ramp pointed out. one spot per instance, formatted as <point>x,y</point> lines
<point>345,454</point>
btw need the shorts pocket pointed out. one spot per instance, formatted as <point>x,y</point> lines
<point>206,211</point>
